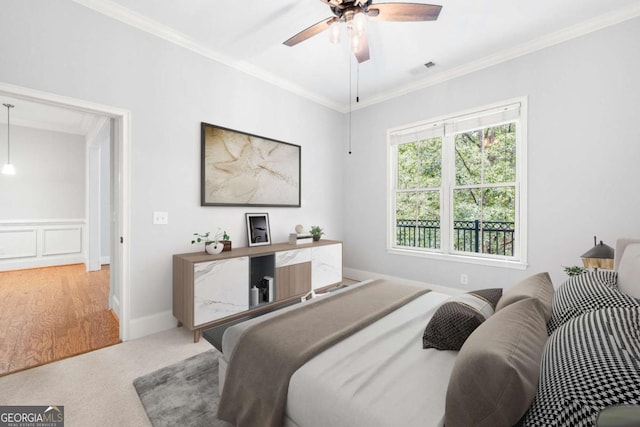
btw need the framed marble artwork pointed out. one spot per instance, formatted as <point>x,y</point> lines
<point>241,169</point>
<point>258,230</point>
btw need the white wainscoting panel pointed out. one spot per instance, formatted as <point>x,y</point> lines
<point>59,241</point>
<point>41,243</point>
<point>18,243</point>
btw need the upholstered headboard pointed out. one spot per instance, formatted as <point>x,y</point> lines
<point>621,244</point>
<point>627,265</point>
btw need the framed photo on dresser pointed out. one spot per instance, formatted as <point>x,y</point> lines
<point>258,231</point>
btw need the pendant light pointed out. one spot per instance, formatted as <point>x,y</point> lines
<point>8,168</point>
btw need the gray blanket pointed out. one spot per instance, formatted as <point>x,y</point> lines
<point>267,354</point>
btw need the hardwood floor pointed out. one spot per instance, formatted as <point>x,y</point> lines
<point>48,314</point>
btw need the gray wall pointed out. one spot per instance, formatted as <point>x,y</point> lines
<point>68,49</point>
<point>50,175</point>
<point>583,153</point>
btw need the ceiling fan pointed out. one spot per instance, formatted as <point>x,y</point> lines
<point>355,14</point>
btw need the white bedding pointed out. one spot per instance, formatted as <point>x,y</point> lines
<point>379,376</point>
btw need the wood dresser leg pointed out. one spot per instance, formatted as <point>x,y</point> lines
<point>179,323</point>
<point>196,335</point>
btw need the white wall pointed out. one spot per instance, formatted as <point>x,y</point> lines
<point>50,176</point>
<point>42,206</point>
<point>583,142</point>
<point>68,49</point>
<point>583,154</point>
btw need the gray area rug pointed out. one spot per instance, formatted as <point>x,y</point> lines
<point>183,394</point>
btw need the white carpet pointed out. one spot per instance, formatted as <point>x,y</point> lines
<point>96,388</point>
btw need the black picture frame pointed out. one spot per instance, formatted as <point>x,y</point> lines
<point>242,169</point>
<point>258,230</point>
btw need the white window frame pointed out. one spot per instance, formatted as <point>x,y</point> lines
<point>446,251</point>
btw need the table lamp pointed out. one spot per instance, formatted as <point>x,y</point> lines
<point>599,256</point>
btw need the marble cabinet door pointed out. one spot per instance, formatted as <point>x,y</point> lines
<point>292,257</point>
<point>326,265</point>
<point>221,288</point>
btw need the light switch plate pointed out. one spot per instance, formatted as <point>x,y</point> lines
<point>161,217</point>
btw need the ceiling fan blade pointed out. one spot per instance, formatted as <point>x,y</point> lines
<point>404,12</point>
<point>311,31</point>
<point>362,54</point>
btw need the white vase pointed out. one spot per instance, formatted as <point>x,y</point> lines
<point>214,248</point>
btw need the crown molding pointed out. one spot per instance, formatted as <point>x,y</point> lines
<point>141,22</point>
<point>566,34</point>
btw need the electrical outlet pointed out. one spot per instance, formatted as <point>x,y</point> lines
<point>161,217</point>
<point>464,279</point>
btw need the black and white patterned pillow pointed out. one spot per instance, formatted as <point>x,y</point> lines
<point>587,292</point>
<point>458,317</point>
<point>589,363</point>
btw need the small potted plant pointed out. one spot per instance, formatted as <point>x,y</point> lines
<point>212,246</point>
<point>575,270</point>
<point>226,241</point>
<point>316,232</point>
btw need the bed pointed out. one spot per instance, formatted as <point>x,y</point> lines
<point>509,360</point>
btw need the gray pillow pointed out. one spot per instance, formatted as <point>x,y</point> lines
<point>458,317</point>
<point>538,286</point>
<point>495,376</point>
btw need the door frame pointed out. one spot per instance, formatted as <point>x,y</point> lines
<point>94,183</point>
<point>120,300</point>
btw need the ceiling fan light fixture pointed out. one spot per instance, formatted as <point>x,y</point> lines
<point>356,13</point>
<point>334,32</point>
<point>359,23</point>
<point>355,42</point>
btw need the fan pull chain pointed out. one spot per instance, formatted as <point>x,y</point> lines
<point>358,83</point>
<point>357,95</point>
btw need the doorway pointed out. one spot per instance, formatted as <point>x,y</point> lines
<point>120,192</point>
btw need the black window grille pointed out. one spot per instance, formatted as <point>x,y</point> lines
<point>488,237</point>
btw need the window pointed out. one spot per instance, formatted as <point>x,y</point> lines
<point>457,186</point>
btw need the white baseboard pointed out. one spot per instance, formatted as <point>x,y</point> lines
<point>355,274</point>
<point>114,304</point>
<point>105,260</point>
<point>20,264</point>
<point>143,326</point>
